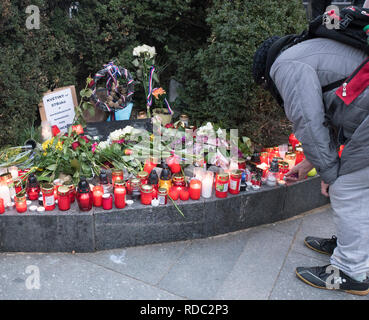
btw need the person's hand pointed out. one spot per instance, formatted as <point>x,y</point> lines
<point>299,172</point>
<point>325,189</point>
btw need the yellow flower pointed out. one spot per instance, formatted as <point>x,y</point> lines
<point>49,143</point>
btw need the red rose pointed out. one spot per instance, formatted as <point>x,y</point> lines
<point>86,139</point>
<point>75,145</point>
<point>55,130</point>
<point>169,125</point>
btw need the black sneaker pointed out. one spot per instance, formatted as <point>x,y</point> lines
<point>331,278</point>
<point>321,245</point>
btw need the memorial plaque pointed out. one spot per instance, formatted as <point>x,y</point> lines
<point>103,129</point>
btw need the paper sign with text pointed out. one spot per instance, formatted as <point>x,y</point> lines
<point>58,107</point>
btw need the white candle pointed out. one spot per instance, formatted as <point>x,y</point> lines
<point>5,194</point>
<point>207,185</point>
<point>14,172</point>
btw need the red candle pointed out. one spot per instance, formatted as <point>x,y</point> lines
<point>195,189</point>
<point>119,195</point>
<point>149,165</point>
<point>293,141</point>
<point>18,185</point>
<point>85,201</point>
<point>235,182</point>
<point>143,176</point>
<point>2,206</point>
<point>264,157</point>
<point>33,193</point>
<point>97,193</point>
<point>107,201</point>
<point>48,196</point>
<point>20,204</point>
<point>173,193</point>
<point>184,194</point>
<point>299,155</point>
<point>221,185</point>
<point>173,164</point>
<point>63,198</point>
<point>146,194</point>
<point>72,192</point>
<point>116,174</point>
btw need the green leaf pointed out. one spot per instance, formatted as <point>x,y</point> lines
<point>85,93</point>
<point>51,167</point>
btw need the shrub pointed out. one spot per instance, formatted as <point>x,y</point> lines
<point>218,78</point>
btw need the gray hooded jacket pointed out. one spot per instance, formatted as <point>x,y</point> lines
<point>299,74</point>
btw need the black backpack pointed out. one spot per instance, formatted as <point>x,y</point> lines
<point>349,30</point>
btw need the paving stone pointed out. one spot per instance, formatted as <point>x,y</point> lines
<point>289,287</point>
<point>64,276</point>
<point>319,224</point>
<point>256,270</point>
<point>289,227</point>
<point>204,265</point>
<point>147,263</point>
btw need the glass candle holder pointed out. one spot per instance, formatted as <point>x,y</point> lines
<point>18,185</point>
<point>97,193</point>
<point>235,182</point>
<point>116,174</point>
<point>195,189</point>
<point>63,198</point>
<point>299,155</point>
<point>8,180</point>
<point>173,164</point>
<point>2,206</point>
<point>72,191</point>
<point>4,191</point>
<point>207,184</point>
<point>20,203</point>
<point>283,148</point>
<point>119,195</point>
<point>84,195</point>
<point>184,194</point>
<point>150,164</point>
<point>48,196</point>
<point>184,119</point>
<point>107,201</point>
<point>33,187</point>
<point>199,173</point>
<point>283,169</point>
<point>143,176</point>
<point>163,196</point>
<point>146,194</point>
<point>57,183</point>
<point>241,164</point>
<point>264,157</point>
<point>173,193</point>
<point>290,158</point>
<point>178,180</point>
<point>221,185</point>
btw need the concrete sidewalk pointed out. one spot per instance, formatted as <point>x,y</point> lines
<point>258,263</point>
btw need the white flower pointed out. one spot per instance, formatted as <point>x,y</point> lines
<point>127,130</point>
<point>102,145</point>
<point>116,135</point>
<point>206,130</point>
<point>144,49</point>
